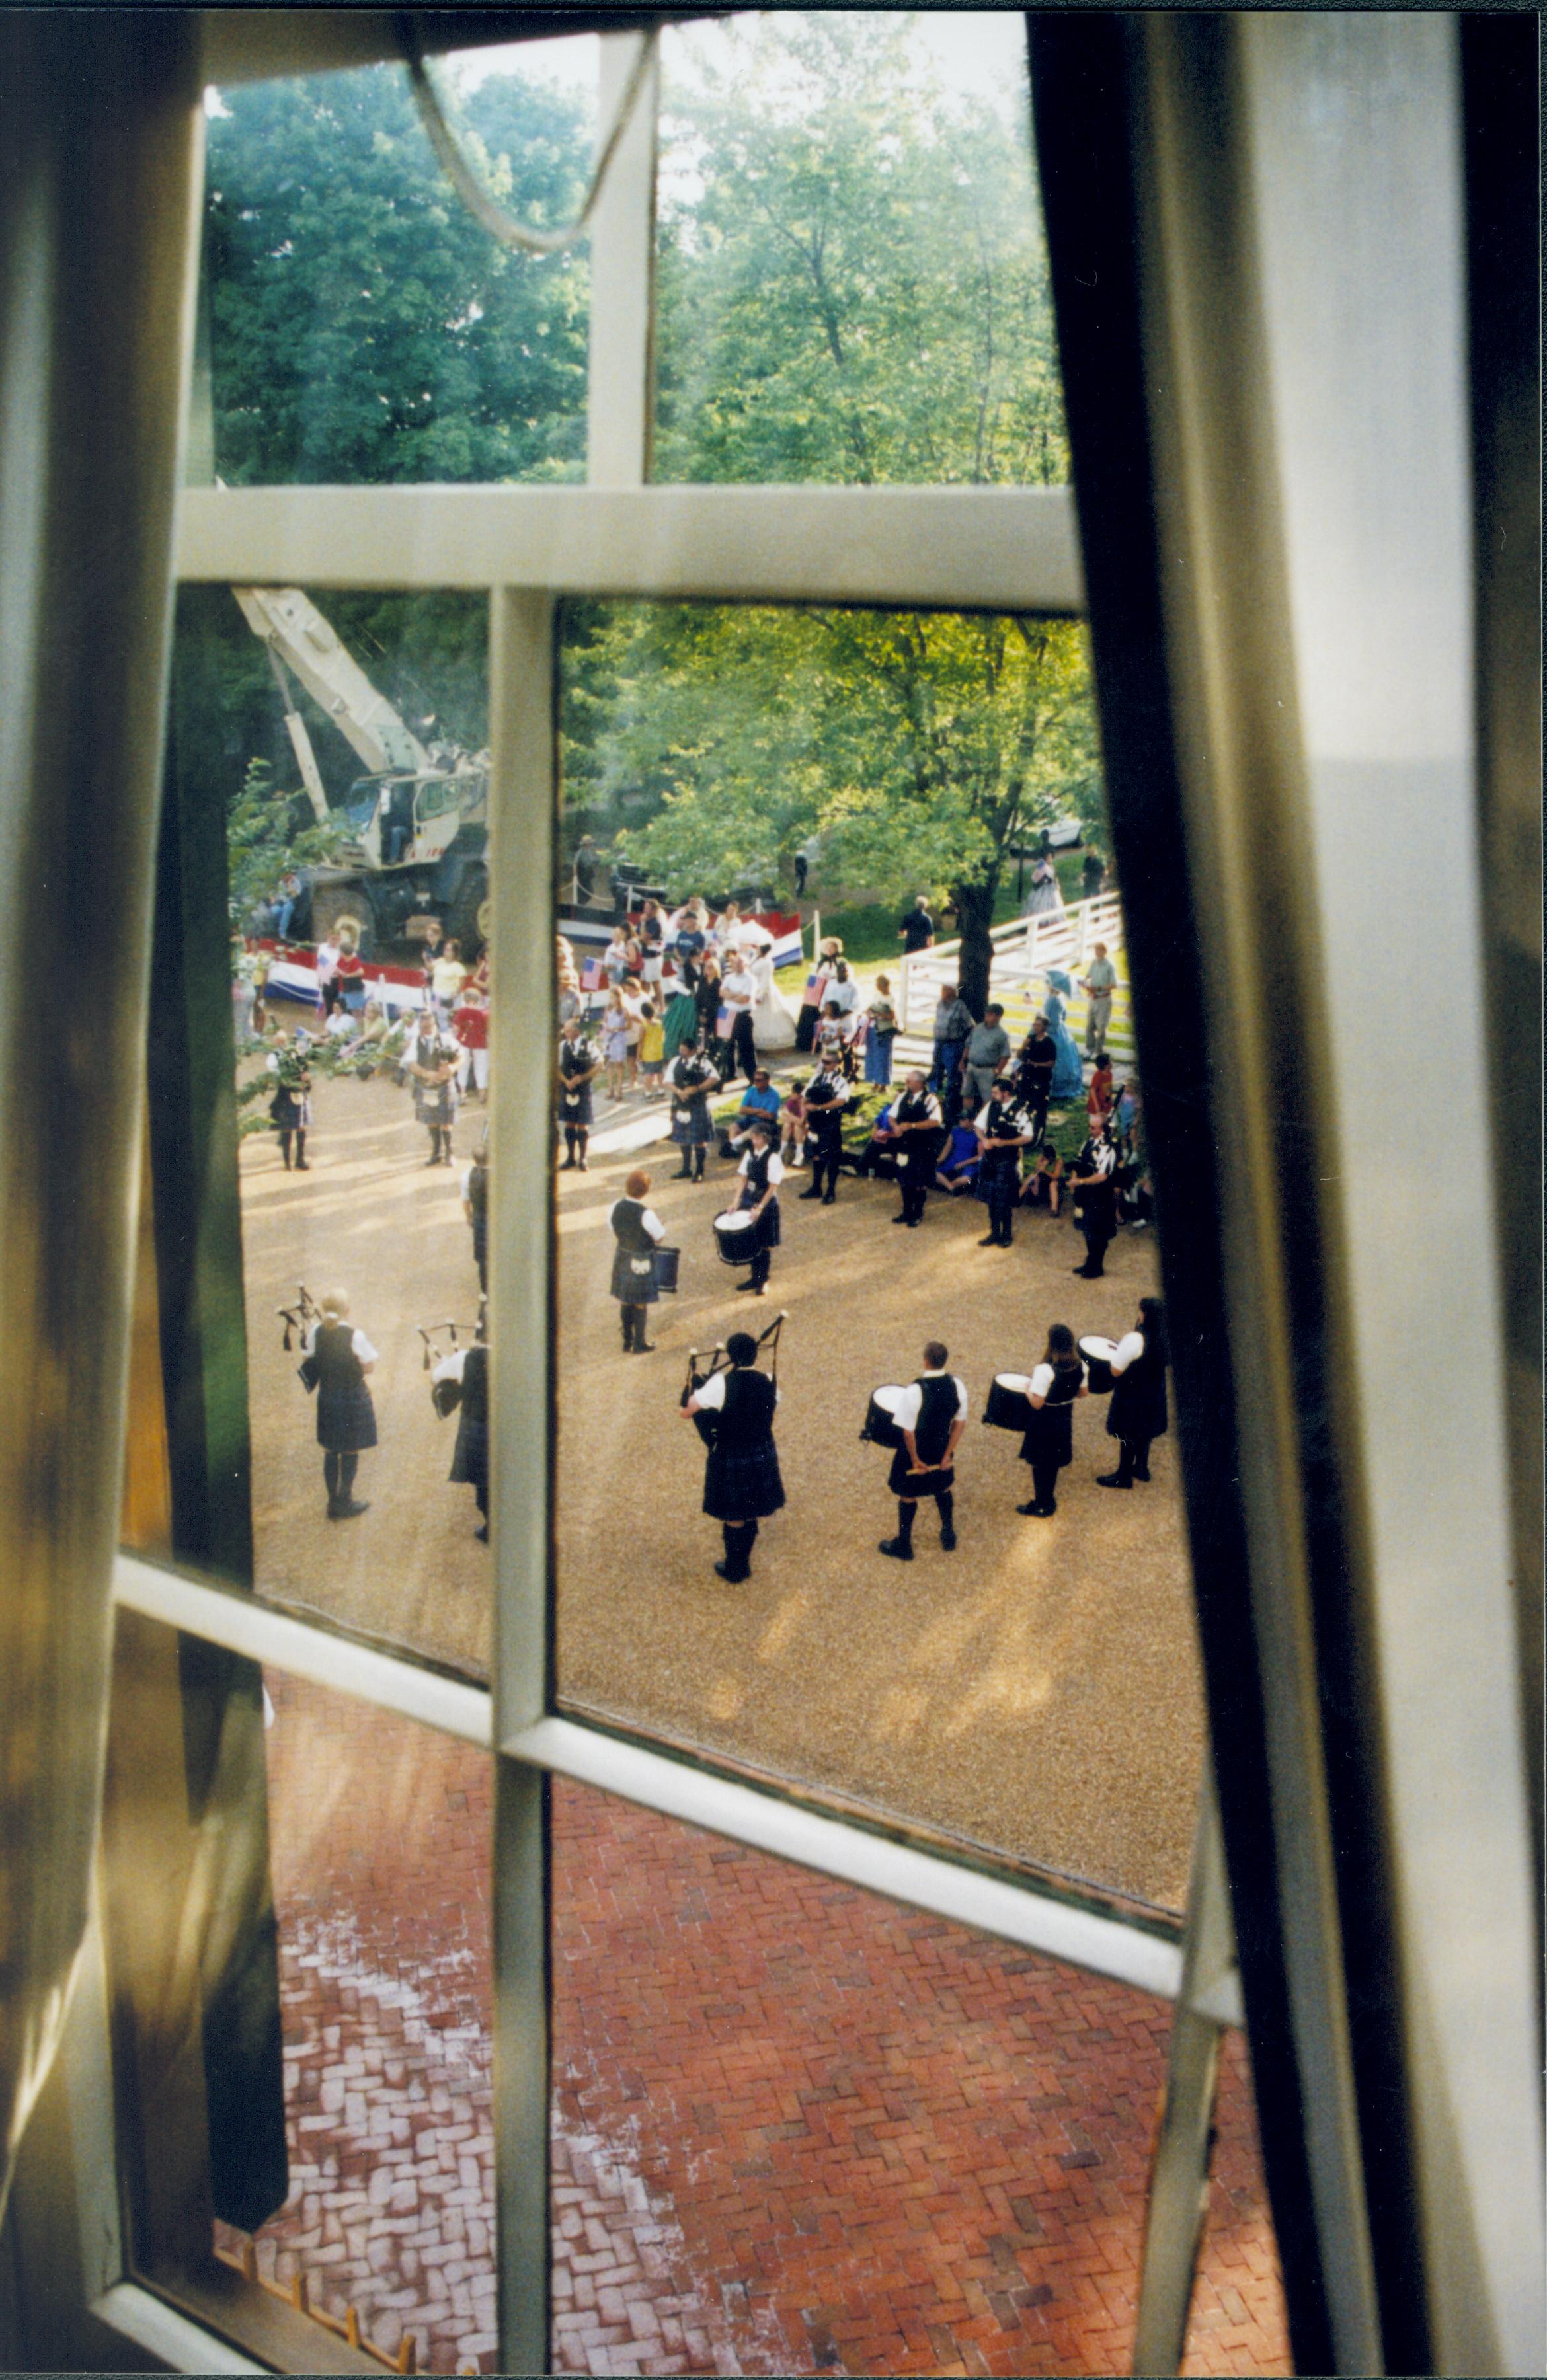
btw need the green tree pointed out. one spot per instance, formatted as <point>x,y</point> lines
<point>363,326</point>
<point>921,746</point>
<point>852,278</point>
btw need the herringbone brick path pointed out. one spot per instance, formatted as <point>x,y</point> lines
<point>796,2129</point>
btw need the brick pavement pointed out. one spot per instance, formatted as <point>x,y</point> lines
<point>796,2129</point>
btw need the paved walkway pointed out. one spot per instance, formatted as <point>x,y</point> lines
<point>796,2127</point>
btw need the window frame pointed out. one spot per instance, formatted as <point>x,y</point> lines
<point>979,549</point>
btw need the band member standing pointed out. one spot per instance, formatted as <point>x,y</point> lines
<point>739,989</point>
<point>636,1227</point>
<point>290,1107</point>
<point>345,1415</point>
<point>1048,1445</point>
<point>918,1125</point>
<point>475,1206</point>
<point>931,1416</point>
<point>762,1170</point>
<point>469,1459</point>
<point>1003,1132</point>
<point>1137,1413</point>
<point>693,1079</point>
<point>742,1482</point>
<point>826,1097</point>
<point>580,1063</point>
<point>1095,1195</point>
<point>432,1061</point>
<point>1039,1055</point>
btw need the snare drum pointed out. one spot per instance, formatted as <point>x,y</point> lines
<point>734,1236</point>
<point>1096,1355</point>
<point>881,1426</point>
<point>1008,1405</point>
<point>666,1261</point>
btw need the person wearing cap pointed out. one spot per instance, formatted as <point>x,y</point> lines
<point>741,1480</point>
<point>638,1230</point>
<point>339,1358</point>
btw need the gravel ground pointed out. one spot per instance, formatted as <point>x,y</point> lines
<point>1036,1691</point>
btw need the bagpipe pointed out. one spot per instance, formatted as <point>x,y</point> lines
<point>708,1424</point>
<point>299,1320</point>
<point>444,1364</point>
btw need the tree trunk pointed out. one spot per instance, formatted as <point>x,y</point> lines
<point>974,906</point>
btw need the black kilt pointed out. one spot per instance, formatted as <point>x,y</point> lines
<point>573,1107</point>
<point>1049,1443</point>
<point>765,1231</point>
<point>631,1288</point>
<point>907,1483</point>
<point>346,1418</point>
<point>693,1126</point>
<point>1137,1407</point>
<point>744,1485</point>
<point>469,1459</point>
<point>287,1109</point>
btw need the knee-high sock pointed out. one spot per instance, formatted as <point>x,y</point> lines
<point>570,1140</point>
<point>738,1550</point>
<point>947,1505</point>
<point>300,1145</point>
<point>330,1475</point>
<point>699,1156</point>
<point>347,1465</point>
<point>904,1520</point>
<point>284,1150</point>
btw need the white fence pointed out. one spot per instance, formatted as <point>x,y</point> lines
<point>1024,950</point>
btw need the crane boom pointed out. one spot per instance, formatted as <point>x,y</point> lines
<point>298,636</point>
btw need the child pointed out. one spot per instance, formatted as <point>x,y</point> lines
<point>795,1124</point>
<point>652,1048</point>
<point>615,1044</point>
<point>1046,1186</point>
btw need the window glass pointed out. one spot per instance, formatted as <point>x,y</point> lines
<point>320,1074</point>
<point>363,326</point>
<point>852,278</point>
<point>797,2128</point>
<point>860,782</point>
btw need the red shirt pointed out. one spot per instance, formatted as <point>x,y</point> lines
<point>472,1026</point>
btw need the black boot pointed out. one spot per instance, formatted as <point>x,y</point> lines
<point>900,1546</point>
<point>735,1566</point>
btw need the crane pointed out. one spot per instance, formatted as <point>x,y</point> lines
<point>419,818</point>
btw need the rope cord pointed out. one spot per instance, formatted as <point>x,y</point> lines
<point>526,239</point>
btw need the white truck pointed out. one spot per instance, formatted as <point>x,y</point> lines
<point>417,823</point>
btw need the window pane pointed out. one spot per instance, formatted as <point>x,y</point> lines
<point>363,327</point>
<point>307,926</point>
<point>1033,1691</point>
<point>852,278</point>
<point>799,2128</point>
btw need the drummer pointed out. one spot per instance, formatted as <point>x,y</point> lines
<point>1048,1445</point>
<point>636,1227</point>
<point>762,1170</point>
<point>742,1482</point>
<point>1137,1413</point>
<point>932,1414</point>
<point>693,1080</point>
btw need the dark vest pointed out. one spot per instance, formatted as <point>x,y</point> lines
<point>333,1351</point>
<point>747,1416</point>
<point>1004,1123</point>
<point>475,1386</point>
<point>937,1413</point>
<point>755,1180</point>
<point>629,1227</point>
<point>1065,1386</point>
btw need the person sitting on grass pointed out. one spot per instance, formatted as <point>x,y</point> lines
<point>957,1168</point>
<point>1046,1186</point>
<point>879,1155</point>
<point>794,1150</point>
<point>760,1104</point>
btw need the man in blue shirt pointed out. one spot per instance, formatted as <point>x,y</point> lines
<point>760,1104</point>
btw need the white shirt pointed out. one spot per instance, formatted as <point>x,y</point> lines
<point>911,1404</point>
<point>1042,1378</point>
<point>650,1218</point>
<point>1127,1351</point>
<point>737,990</point>
<point>1001,1107</point>
<point>776,1166</point>
<point>327,961</point>
<point>357,1340</point>
<point>844,993</point>
<point>711,1397</point>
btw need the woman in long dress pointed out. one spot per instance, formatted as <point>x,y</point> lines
<point>1068,1074</point>
<point>680,1022</point>
<point>1045,899</point>
<point>883,1021</point>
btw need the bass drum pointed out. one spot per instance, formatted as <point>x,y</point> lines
<point>734,1236</point>
<point>881,1425</point>
<point>1096,1355</point>
<point>1008,1405</point>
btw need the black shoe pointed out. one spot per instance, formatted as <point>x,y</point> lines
<point>912,1223</point>
<point>335,1508</point>
<point>899,1218</point>
<point>481,1533</point>
<point>569,1166</point>
<point>683,1175</point>
<point>743,1286</point>
<point>1035,1512</point>
<point>947,1541</point>
<point>991,1241</point>
<point>582,1167</point>
<point>812,1193</point>
<point>351,1511</point>
<point>828,1198</point>
<point>1082,1272</point>
<point>732,1577</point>
<point>1112,1479</point>
<point>1141,1474</point>
<point>645,1347</point>
<point>433,1160</point>
<point>897,1547</point>
<point>303,1165</point>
